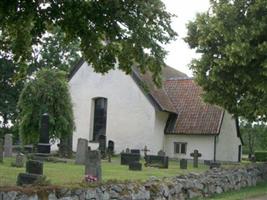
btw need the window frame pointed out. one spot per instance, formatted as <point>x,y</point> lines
<point>178,147</point>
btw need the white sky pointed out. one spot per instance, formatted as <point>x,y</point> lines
<point>180,54</point>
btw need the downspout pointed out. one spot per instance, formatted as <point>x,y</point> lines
<point>214,155</point>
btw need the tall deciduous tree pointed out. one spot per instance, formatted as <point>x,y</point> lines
<point>128,32</point>
<point>231,37</point>
<point>48,92</point>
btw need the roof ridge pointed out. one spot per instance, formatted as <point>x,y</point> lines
<point>180,78</point>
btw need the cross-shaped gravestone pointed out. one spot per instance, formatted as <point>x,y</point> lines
<point>195,156</point>
<point>145,150</point>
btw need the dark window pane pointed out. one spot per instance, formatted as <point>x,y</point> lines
<point>176,147</point>
<point>183,148</point>
<point>100,117</point>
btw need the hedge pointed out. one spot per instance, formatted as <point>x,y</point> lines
<point>261,155</point>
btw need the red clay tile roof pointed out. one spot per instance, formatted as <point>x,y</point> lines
<point>194,116</point>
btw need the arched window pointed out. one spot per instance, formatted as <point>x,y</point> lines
<point>100,117</point>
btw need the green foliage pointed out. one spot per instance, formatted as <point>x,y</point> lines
<point>231,37</point>
<point>128,32</point>
<point>254,136</point>
<point>261,156</point>
<point>9,95</point>
<point>48,92</point>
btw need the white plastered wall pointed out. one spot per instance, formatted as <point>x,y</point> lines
<point>204,144</point>
<point>227,141</point>
<point>132,121</point>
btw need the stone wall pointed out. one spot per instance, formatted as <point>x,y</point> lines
<point>180,187</point>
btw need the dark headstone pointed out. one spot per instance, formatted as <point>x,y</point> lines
<point>157,161</point>
<point>207,162</point>
<point>214,165</point>
<point>161,153</point>
<point>81,153</point>
<point>183,164</point>
<point>135,166</point>
<point>127,158</point>
<point>111,147</point>
<point>1,150</point>
<point>195,156</point>
<point>26,178</point>
<point>34,167</point>
<point>44,145</point>
<point>8,145</point>
<point>93,164</point>
<point>127,150</point>
<point>102,145</point>
<point>135,151</point>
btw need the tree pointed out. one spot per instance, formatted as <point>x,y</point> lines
<point>110,32</point>
<point>231,38</point>
<point>48,92</point>
<point>9,95</point>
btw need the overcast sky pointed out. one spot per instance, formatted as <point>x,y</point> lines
<point>180,54</point>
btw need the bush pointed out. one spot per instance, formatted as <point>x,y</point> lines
<point>261,155</point>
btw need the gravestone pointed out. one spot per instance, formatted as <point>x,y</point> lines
<point>127,150</point>
<point>214,164</point>
<point>135,166</point>
<point>34,171</point>
<point>111,147</point>
<point>157,161</point>
<point>1,150</point>
<point>82,149</point>
<point>19,162</point>
<point>183,164</point>
<point>145,150</point>
<point>93,164</point>
<point>127,158</point>
<point>43,147</point>
<point>161,153</point>
<point>8,145</point>
<point>102,145</point>
<point>195,156</point>
<point>135,151</point>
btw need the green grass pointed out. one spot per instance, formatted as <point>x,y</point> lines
<point>70,173</point>
<point>242,194</point>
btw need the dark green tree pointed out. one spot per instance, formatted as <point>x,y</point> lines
<point>47,92</point>
<point>9,95</point>
<point>110,32</point>
<point>231,38</point>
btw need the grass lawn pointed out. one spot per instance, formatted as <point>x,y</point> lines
<point>69,173</point>
<point>243,194</point>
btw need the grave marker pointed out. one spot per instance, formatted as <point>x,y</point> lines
<point>102,145</point>
<point>161,153</point>
<point>195,156</point>
<point>1,150</point>
<point>8,145</point>
<point>183,164</point>
<point>157,161</point>
<point>93,164</point>
<point>127,158</point>
<point>19,162</point>
<point>135,166</point>
<point>82,149</point>
<point>43,146</point>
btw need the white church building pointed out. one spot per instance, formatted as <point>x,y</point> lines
<point>131,111</point>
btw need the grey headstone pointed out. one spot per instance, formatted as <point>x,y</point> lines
<point>82,149</point>
<point>8,145</point>
<point>195,156</point>
<point>19,162</point>
<point>93,164</point>
<point>1,150</point>
<point>161,153</point>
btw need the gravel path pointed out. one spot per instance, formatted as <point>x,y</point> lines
<point>258,198</point>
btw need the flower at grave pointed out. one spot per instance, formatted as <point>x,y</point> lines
<point>90,178</point>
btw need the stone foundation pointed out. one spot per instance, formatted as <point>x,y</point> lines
<point>180,187</point>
